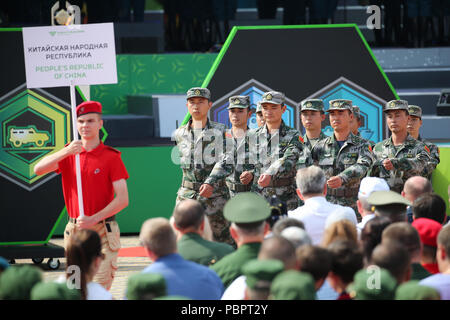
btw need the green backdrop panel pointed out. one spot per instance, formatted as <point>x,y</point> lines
<point>152,74</point>
<point>441,176</point>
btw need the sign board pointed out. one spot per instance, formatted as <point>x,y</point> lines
<point>59,56</point>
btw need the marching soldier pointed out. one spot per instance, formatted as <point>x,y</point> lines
<point>344,157</point>
<point>400,156</point>
<point>356,123</point>
<point>259,115</point>
<point>312,116</point>
<point>280,151</point>
<point>413,127</point>
<point>200,143</point>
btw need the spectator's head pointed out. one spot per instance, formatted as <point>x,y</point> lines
<point>415,186</point>
<point>340,230</point>
<point>315,261</point>
<point>395,258</point>
<point>146,286</point>
<point>16,282</point>
<point>373,283</point>
<point>431,206</point>
<point>279,248</point>
<point>389,204</point>
<point>428,230</point>
<point>443,250</point>
<point>345,213</point>
<point>311,181</point>
<point>346,260</point>
<point>189,216</point>
<point>247,212</point>
<point>54,291</point>
<point>158,238</point>
<point>284,223</point>
<point>259,275</point>
<point>84,250</point>
<point>371,236</point>
<point>405,234</point>
<point>297,236</point>
<point>367,186</point>
<point>293,285</point>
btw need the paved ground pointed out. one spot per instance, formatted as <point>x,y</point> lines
<point>126,266</point>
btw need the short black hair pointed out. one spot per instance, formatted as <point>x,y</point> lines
<point>371,235</point>
<point>394,257</point>
<point>396,212</point>
<point>314,260</point>
<point>431,206</point>
<point>347,259</point>
<point>188,216</point>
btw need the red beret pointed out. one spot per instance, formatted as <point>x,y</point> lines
<point>89,107</point>
<point>428,230</point>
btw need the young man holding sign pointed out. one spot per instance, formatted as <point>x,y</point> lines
<point>103,175</point>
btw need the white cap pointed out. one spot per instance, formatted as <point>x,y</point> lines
<point>343,213</point>
<point>371,184</point>
<point>297,236</point>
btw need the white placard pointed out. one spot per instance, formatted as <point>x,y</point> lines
<point>77,54</point>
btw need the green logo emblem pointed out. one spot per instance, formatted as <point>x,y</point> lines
<point>34,124</point>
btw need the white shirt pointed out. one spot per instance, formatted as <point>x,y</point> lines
<point>236,290</point>
<point>97,292</point>
<point>360,226</point>
<point>314,213</point>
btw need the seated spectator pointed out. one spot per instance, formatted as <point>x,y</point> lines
<point>312,188</point>
<point>428,232</point>
<point>346,260</point>
<point>413,188</point>
<point>315,261</point>
<point>367,186</point>
<point>389,204</point>
<point>184,278</point>
<point>408,236</point>
<point>365,288</point>
<point>84,251</point>
<point>258,277</point>
<point>54,291</point>
<point>284,223</point>
<point>293,285</point>
<point>441,281</point>
<point>146,286</point>
<point>189,221</point>
<point>371,236</point>
<point>412,290</point>
<point>340,230</point>
<point>16,282</point>
<point>395,258</point>
<point>431,206</point>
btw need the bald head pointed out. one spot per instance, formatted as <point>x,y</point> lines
<point>188,214</point>
<point>415,187</point>
<point>158,236</point>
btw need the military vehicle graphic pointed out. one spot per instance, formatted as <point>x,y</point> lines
<point>28,135</point>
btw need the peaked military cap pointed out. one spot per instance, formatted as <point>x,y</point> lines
<point>293,285</point>
<point>16,282</point>
<point>341,104</point>
<point>311,104</point>
<point>396,105</point>
<point>146,286</point>
<point>198,92</point>
<point>246,207</point>
<point>376,285</point>
<point>381,198</point>
<point>260,273</point>
<point>412,290</point>
<point>240,102</point>
<point>54,291</point>
<point>415,111</point>
<point>273,97</point>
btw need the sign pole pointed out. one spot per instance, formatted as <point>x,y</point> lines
<point>77,156</point>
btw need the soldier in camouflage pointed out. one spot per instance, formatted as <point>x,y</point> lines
<point>277,151</point>
<point>413,127</point>
<point>259,115</point>
<point>312,115</point>
<point>400,156</point>
<point>201,144</point>
<point>344,157</point>
<point>235,164</point>
<point>356,123</point>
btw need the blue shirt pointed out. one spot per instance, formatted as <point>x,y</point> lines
<point>439,281</point>
<point>187,278</point>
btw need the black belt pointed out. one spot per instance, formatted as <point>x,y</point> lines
<point>112,218</point>
<point>239,187</point>
<point>342,192</point>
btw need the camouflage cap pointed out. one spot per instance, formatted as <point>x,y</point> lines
<point>273,97</point>
<point>246,207</point>
<point>146,286</point>
<point>415,111</point>
<point>363,287</point>
<point>312,104</point>
<point>356,112</point>
<point>198,92</point>
<point>341,104</point>
<point>396,105</point>
<point>260,273</point>
<point>381,198</point>
<point>258,106</point>
<point>412,290</point>
<point>293,285</point>
<point>54,291</point>
<point>16,282</point>
<point>240,102</point>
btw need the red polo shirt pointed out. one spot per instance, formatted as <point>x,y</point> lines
<point>99,169</point>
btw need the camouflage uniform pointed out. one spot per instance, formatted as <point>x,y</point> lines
<point>236,158</point>
<point>199,151</point>
<point>409,159</point>
<point>350,162</point>
<point>313,105</point>
<point>280,155</point>
<point>416,111</point>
